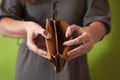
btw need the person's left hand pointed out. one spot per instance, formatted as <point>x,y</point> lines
<point>84,40</point>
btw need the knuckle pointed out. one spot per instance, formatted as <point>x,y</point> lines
<point>74,25</point>
<point>85,34</point>
<point>79,40</point>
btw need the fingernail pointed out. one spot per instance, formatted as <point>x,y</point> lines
<point>49,36</point>
<point>64,43</point>
<point>69,54</point>
<point>67,34</point>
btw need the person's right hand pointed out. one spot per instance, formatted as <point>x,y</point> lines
<point>33,28</point>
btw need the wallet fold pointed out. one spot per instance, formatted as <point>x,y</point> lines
<point>57,53</point>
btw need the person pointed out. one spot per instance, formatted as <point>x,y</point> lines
<point>89,22</point>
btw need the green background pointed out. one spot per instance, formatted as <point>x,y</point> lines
<point>103,60</point>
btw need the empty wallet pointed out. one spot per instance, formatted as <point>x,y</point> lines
<point>57,53</point>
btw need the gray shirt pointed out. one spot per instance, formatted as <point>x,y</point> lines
<point>30,66</point>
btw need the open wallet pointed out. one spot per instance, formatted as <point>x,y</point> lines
<point>57,53</point>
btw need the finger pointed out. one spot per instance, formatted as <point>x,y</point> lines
<point>45,33</point>
<point>40,52</point>
<point>34,48</point>
<point>80,50</point>
<point>71,29</point>
<point>79,40</point>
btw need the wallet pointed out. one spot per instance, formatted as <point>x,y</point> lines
<point>57,53</point>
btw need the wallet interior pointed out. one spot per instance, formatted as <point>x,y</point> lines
<point>57,53</point>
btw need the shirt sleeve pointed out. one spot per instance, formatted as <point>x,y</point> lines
<point>98,10</point>
<point>11,8</point>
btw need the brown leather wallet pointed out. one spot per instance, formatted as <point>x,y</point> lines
<point>57,53</point>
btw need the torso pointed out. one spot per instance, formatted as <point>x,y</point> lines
<point>71,11</point>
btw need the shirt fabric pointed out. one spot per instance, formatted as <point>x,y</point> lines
<point>30,66</point>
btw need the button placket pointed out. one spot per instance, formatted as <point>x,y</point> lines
<point>53,9</point>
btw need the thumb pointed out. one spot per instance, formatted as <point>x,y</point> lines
<point>46,34</point>
<point>71,29</point>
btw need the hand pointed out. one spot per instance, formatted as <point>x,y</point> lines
<point>34,29</point>
<point>84,39</point>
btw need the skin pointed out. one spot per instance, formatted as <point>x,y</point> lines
<point>86,36</point>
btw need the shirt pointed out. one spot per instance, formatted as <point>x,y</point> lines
<point>30,66</point>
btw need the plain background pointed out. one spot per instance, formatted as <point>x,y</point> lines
<point>103,60</point>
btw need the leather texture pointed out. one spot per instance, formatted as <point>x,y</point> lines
<point>57,53</point>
